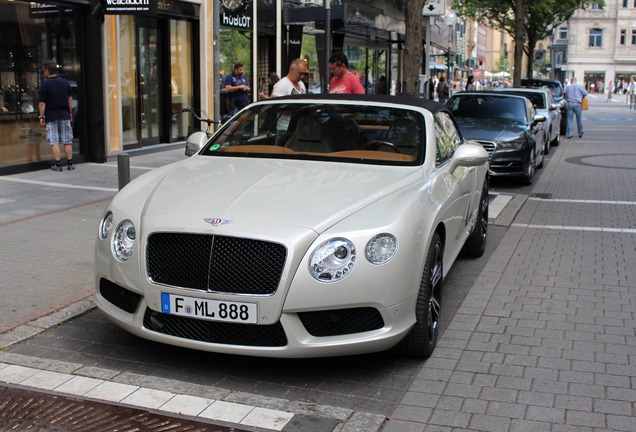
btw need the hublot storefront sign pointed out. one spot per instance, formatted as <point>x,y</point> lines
<point>236,14</point>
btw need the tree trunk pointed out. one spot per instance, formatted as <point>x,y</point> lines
<point>519,42</point>
<point>412,45</point>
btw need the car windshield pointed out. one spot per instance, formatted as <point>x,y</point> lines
<point>488,107</point>
<point>323,131</point>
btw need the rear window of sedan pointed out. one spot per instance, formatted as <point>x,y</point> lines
<point>537,99</point>
<point>488,107</point>
<point>324,131</point>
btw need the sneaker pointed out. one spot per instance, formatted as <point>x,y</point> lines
<point>71,167</point>
<point>57,168</point>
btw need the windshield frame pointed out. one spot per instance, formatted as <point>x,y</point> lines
<point>321,130</point>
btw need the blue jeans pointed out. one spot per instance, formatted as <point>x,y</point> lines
<point>575,108</point>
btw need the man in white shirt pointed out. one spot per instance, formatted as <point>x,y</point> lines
<point>290,84</point>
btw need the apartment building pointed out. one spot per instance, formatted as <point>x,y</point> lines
<point>600,44</point>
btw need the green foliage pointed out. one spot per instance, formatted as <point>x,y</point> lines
<point>235,48</point>
<point>539,18</point>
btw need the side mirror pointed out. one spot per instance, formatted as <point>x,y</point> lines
<point>195,143</point>
<point>469,154</point>
<point>554,107</point>
<point>539,119</point>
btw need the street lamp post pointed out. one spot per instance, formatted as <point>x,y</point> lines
<point>448,60</point>
<point>450,19</point>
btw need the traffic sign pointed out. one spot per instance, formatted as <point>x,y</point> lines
<point>434,8</point>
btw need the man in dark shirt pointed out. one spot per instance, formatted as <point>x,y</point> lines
<point>238,89</point>
<point>56,103</point>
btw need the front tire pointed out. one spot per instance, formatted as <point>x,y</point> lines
<point>422,339</point>
<point>475,246</point>
<point>528,177</point>
<point>556,141</point>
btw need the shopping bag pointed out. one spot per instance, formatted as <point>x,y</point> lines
<point>584,104</point>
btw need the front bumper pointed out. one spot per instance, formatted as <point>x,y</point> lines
<point>323,333</point>
<point>509,162</point>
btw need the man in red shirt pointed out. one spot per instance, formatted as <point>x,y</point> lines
<point>343,81</point>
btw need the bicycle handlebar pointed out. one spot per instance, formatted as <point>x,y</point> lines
<point>194,113</point>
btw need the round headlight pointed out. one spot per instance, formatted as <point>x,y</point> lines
<point>124,240</point>
<point>106,225</point>
<point>332,260</point>
<point>381,248</point>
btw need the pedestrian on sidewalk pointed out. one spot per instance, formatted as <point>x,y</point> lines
<point>272,79</point>
<point>56,105</point>
<point>610,90</point>
<point>238,89</point>
<point>443,90</point>
<point>290,84</point>
<point>574,94</point>
<point>470,84</point>
<point>343,81</point>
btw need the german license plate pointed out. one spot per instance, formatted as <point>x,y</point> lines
<point>212,310</point>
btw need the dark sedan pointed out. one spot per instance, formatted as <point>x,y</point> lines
<point>507,126</point>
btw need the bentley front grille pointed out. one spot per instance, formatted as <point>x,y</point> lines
<point>215,263</point>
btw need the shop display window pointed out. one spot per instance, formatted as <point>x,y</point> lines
<point>30,35</point>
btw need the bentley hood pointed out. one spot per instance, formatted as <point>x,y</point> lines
<point>312,195</point>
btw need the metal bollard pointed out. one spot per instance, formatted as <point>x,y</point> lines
<point>123,169</point>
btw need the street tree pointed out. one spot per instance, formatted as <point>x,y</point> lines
<point>412,44</point>
<point>526,21</point>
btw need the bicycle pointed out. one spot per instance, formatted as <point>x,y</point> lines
<point>202,117</point>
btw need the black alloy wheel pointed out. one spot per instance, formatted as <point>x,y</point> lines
<point>556,141</point>
<point>423,337</point>
<point>528,177</point>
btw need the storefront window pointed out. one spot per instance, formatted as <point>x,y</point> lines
<point>30,35</point>
<point>141,64</point>
<point>181,77</point>
<point>128,72</point>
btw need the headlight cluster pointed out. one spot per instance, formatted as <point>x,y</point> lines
<point>515,143</point>
<point>123,240</point>
<point>332,260</point>
<point>335,258</point>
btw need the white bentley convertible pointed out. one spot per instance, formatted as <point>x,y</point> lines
<point>305,227</point>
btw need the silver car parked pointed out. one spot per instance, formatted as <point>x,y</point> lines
<point>543,100</point>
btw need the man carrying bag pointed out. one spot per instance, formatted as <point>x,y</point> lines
<point>575,95</point>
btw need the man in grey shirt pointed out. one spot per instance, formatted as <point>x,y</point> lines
<point>574,94</point>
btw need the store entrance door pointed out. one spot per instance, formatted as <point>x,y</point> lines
<point>148,54</point>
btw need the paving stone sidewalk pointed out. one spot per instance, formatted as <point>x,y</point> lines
<point>545,339</point>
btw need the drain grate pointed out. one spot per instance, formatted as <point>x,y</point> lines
<point>26,410</point>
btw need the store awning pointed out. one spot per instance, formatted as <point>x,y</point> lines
<point>437,66</point>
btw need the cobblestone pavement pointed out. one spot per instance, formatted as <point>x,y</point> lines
<point>541,334</point>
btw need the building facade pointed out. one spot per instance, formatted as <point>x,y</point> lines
<point>134,65</point>
<point>601,44</point>
<point>131,70</point>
